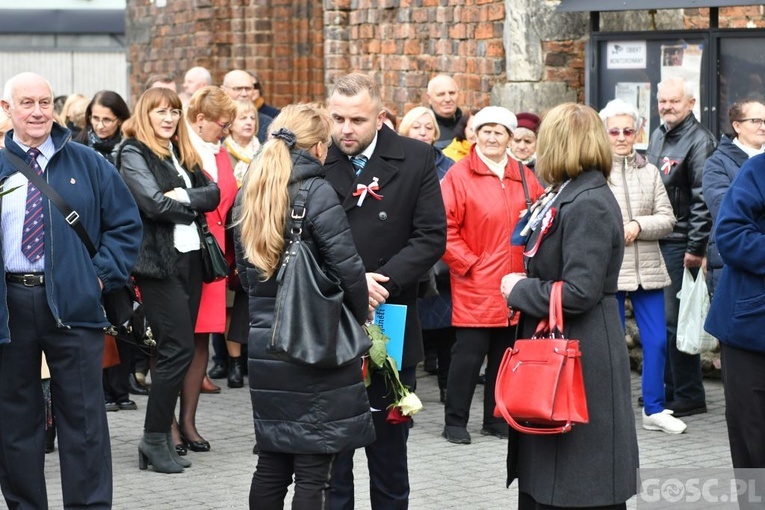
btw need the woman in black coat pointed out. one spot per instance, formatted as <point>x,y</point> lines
<point>303,415</point>
<point>162,171</point>
<point>579,239</point>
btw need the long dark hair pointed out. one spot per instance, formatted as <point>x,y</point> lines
<point>107,99</point>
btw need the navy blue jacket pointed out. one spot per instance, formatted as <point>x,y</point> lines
<point>737,314</point>
<point>92,187</point>
<point>719,171</point>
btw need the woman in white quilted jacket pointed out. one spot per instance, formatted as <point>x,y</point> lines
<point>647,215</point>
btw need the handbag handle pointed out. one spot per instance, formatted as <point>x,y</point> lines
<point>556,307</point>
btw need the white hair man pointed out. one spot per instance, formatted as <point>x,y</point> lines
<point>443,94</point>
<point>679,147</point>
<point>51,292</point>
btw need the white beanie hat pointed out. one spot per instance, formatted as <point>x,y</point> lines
<point>495,115</point>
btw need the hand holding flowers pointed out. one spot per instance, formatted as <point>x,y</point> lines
<point>405,403</point>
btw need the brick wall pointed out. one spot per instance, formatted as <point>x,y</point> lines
<point>749,16</point>
<point>299,47</point>
<point>281,40</point>
<point>564,62</point>
<point>403,43</point>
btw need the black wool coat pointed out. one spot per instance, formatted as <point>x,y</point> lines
<point>595,463</point>
<point>403,234</point>
<point>297,408</point>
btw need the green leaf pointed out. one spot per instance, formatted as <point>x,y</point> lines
<point>6,191</point>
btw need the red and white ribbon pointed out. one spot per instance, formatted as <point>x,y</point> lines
<point>362,190</point>
<point>667,164</point>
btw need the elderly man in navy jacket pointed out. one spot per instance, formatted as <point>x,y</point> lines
<point>400,232</point>
<point>51,291</point>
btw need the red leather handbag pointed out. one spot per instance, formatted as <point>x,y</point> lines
<point>540,389</point>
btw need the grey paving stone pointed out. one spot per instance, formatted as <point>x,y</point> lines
<point>442,475</point>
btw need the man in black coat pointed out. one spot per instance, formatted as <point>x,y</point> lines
<point>679,148</point>
<point>389,189</point>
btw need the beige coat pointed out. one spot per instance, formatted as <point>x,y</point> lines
<point>638,188</point>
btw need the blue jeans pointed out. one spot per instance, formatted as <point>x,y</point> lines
<point>682,373</point>
<point>648,306</point>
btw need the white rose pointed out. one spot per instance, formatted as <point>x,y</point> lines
<point>410,404</point>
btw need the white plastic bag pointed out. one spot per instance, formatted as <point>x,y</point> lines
<point>694,305</point>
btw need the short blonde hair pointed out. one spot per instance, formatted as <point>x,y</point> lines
<point>211,102</point>
<point>414,114</point>
<point>572,140</point>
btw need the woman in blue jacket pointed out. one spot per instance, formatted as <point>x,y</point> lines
<point>737,314</point>
<point>746,122</point>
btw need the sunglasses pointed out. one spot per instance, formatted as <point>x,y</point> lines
<point>616,131</point>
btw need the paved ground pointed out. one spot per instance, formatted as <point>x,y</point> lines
<point>443,475</point>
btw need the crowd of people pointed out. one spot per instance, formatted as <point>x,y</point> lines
<point>466,217</point>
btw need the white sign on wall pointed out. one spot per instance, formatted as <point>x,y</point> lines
<point>626,55</point>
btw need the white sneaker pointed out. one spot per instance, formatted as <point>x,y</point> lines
<point>663,421</point>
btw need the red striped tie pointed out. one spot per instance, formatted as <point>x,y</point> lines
<point>33,237</point>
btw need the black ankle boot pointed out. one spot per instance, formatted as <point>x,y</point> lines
<point>235,375</point>
<point>153,449</point>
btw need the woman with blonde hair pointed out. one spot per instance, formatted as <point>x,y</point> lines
<point>420,123</point>
<point>208,116</point>
<point>162,171</point>
<point>73,113</point>
<point>303,415</point>
<point>241,144</point>
<point>575,235</point>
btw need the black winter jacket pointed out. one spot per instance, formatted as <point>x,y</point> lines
<point>680,154</point>
<point>297,408</point>
<point>719,171</point>
<point>148,177</point>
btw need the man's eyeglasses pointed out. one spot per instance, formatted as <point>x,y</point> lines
<point>105,121</point>
<point>756,122</point>
<point>174,113</point>
<point>243,88</point>
<point>616,132</point>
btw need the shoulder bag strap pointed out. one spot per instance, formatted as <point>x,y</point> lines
<point>292,236</point>
<point>525,186</point>
<point>71,216</point>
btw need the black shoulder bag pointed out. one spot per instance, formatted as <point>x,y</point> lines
<point>312,326</point>
<point>122,307</point>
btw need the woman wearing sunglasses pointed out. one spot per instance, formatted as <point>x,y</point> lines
<point>648,216</point>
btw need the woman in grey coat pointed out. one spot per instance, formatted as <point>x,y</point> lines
<point>576,236</point>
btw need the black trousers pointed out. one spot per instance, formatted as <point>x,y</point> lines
<point>526,502</point>
<point>171,306</point>
<point>743,374</point>
<point>273,476</point>
<point>470,348</point>
<point>74,357</point>
<point>442,340</point>
<point>386,457</point>
<point>116,388</point>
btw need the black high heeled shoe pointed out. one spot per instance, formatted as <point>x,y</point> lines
<point>196,446</point>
